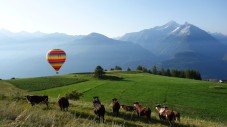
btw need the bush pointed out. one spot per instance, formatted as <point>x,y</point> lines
<point>74,95</point>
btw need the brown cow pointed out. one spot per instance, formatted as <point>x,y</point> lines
<point>141,111</point>
<point>115,106</point>
<point>37,99</point>
<point>166,114</point>
<point>128,108</point>
<point>176,114</point>
<point>63,103</point>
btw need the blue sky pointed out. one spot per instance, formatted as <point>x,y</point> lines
<point>109,17</point>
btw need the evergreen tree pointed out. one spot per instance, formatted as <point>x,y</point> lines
<point>99,72</point>
<point>154,70</point>
<point>129,69</point>
<point>198,76</point>
<point>163,72</point>
<point>139,68</point>
<point>168,73</point>
<point>144,69</point>
<point>174,73</point>
<point>118,68</point>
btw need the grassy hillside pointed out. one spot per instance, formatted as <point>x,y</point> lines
<point>42,83</point>
<point>193,99</point>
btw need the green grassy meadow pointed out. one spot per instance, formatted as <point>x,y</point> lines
<point>195,100</point>
<point>42,83</point>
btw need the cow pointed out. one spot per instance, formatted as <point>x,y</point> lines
<point>115,106</point>
<point>37,99</point>
<point>99,109</point>
<point>166,114</point>
<point>176,114</point>
<point>128,108</point>
<point>63,103</point>
<point>141,111</point>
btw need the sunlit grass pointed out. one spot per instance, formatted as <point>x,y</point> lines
<point>195,100</point>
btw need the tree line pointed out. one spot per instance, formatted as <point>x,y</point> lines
<point>190,74</point>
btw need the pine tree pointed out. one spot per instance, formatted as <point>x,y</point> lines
<point>154,70</point>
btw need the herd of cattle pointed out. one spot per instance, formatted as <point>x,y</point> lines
<point>99,108</point>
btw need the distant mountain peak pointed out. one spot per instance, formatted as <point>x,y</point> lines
<point>184,29</point>
<point>172,22</point>
<point>96,35</point>
<point>170,25</point>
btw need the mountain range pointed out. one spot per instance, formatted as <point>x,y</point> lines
<point>169,46</point>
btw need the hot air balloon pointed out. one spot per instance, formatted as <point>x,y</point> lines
<point>56,58</point>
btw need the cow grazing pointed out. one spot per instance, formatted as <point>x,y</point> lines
<point>37,99</point>
<point>63,103</point>
<point>99,109</point>
<point>128,108</point>
<point>165,114</point>
<point>141,111</point>
<point>115,106</point>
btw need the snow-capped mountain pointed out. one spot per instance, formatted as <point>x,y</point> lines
<point>173,45</point>
<point>183,46</point>
<point>171,38</point>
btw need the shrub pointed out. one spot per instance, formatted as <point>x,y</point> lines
<point>74,95</point>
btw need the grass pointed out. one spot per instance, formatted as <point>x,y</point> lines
<point>42,83</point>
<point>199,102</point>
<point>20,113</point>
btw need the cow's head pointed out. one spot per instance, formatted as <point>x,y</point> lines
<point>157,107</point>
<point>27,97</point>
<point>136,103</point>
<point>96,99</point>
<point>114,100</point>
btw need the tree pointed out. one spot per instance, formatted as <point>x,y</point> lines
<point>163,72</point>
<point>168,73</point>
<point>144,69</point>
<point>99,72</point>
<point>139,68</point>
<point>118,68</point>
<point>154,70</point>
<point>174,73</point>
<point>198,76</point>
<point>129,69</point>
<point>192,74</point>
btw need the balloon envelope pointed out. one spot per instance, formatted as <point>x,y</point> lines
<point>56,58</point>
